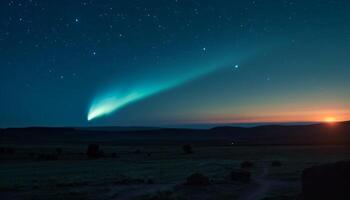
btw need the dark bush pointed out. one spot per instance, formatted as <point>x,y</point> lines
<point>59,151</point>
<point>197,179</point>
<point>93,151</point>
<point>47,157</point>
<point>114,155</point>
<point>137,151</point>
<point>9,151</point>
<point>241,176</point>
<point>329,181</point>
<point>32,154</point>
<point>187,149</point>
<point>276,163</point>
<point>247,164</point>
<point>2,150</point>
<point>150,181</point>
<point>149,154</point>
<point>129,181</point>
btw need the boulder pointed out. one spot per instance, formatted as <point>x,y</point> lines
<point>328,181</point>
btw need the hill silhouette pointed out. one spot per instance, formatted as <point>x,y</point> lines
<point>316,134</point>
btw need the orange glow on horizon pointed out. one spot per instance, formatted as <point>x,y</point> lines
<point>330,120</point>
<point>329,116</point>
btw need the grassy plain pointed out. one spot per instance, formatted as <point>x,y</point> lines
<point>157,172</point>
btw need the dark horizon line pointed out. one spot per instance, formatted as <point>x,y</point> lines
<point>187,126</point>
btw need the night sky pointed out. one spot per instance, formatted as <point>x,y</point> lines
<point>173,62</point>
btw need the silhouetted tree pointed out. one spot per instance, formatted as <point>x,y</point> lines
<point>187,149</point>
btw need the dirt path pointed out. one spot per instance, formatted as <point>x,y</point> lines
<point>260,185</point>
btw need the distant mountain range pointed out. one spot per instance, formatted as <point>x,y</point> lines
<point>314,134</point>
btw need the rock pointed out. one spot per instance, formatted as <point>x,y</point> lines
<point>197,179</point>
<point>329,181</point>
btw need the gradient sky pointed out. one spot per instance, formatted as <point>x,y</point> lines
<point>171,62</point>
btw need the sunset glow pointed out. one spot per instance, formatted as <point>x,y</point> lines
<point>330,119</point>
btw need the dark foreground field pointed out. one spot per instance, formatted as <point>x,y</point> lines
<point>158,172</point>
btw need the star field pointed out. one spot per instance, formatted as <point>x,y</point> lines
<point>189,61</point>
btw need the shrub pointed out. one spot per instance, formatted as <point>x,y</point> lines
<point>247,164</point>
<point>276,163</point>
<point>137,151</point>
<point>197,179</point>
<point>130,181</point>
<point>150,181</point>
<point>9,151</point>
<point>93,151</point>
<point>241,176</point>
<point>47,157</point>
<point>2,150</point>
<point>187,149</point>
<point>32,154</point>
<point>59,151</point>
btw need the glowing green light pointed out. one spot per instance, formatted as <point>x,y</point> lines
<point>114,100</point>
<point>108,105</point>
<point>168,78</point>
